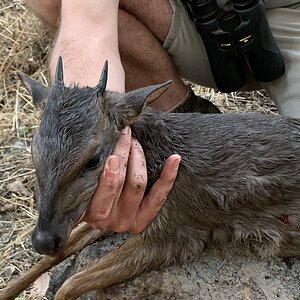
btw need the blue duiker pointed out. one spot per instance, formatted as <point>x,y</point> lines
<point>238,186</point>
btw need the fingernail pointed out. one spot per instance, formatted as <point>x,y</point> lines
<point>177,163</point>
<point>126,130</point>
<point>114,164</point>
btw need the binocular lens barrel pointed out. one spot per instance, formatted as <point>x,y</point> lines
<point>232,37</point>
<point>204,11</point>
<point>244,4</point>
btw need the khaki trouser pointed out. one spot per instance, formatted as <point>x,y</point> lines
<point>188,52</point>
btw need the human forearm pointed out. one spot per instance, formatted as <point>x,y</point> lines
<point>87,37</point>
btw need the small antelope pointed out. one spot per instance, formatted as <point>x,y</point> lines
<point>238,187</point>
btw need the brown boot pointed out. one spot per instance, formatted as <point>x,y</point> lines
<point>196,104</point>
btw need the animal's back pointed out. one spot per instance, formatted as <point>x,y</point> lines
<point>239,180</point>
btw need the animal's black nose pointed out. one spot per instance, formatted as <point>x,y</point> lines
<point>45,242</point>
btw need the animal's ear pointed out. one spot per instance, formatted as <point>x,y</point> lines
<point>38,91</point>
<point>140,98</point>
<point>126,110</point>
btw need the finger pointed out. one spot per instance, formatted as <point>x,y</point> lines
<point>123,146</point>
<point>122,150</point>
<point>103,199</point>
<point>157,196</point>
<point>134,188</point>
<point>111,181</point>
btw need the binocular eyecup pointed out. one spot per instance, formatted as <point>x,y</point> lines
<point>235,39</point>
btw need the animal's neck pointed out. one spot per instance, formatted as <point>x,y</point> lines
<point>156,132</point>
<point>159,136</point>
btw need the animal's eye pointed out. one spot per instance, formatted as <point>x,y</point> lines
<point>93,163</point>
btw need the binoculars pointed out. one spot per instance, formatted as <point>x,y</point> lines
<point>235,39</point>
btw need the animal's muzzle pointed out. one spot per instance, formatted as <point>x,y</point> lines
<point>46,242</point>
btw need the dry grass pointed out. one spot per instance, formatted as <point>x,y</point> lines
<point>23,47</point>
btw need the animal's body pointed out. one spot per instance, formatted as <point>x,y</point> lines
<point>238,187</point>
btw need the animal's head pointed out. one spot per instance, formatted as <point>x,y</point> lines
<point>78,131</point>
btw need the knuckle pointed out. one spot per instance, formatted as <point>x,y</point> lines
<point>124,141</point>
<point>121,181</point>
<point>102,213</point>
<point>136,229</point>
<point>109,185</point>
<point>120,227</point>
<point>168,179</point>
<point>166,185</point>
<point>138,183</point>
<point>159,201</point>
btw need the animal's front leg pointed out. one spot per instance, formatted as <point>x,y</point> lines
<point>130,259</point>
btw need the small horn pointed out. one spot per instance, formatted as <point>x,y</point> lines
<point>59,74</point>
<point>103,78</point>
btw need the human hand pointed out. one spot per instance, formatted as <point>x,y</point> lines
<point>119,203</point>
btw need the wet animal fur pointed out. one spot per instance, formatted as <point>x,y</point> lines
<point>238,186</point>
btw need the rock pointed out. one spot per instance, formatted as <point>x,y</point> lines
<point>208,279</point>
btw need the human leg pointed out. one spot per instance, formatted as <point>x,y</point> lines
<point>47,11</point>
<point>285,25</point>
<point>144,28</point>
<point>146,62</point>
